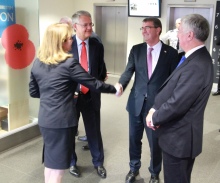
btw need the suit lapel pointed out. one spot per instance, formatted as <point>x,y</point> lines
<point>74,50</point>
<point>143,60</point>
<point>182,65</point>
<point>91,54</point>
<point>162,56</point>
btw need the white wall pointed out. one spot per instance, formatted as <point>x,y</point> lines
<point>50,11</point>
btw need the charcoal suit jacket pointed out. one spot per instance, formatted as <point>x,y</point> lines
<point>180,105</point>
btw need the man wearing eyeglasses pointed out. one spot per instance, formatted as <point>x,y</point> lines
<point>152,62</point>
<point>88,103</point>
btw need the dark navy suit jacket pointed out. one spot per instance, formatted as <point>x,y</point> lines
<point>55,86</point>
<point>97,66</point>
<point>137,63</point>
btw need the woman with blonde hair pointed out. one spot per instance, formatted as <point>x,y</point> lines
<point>54,77</point>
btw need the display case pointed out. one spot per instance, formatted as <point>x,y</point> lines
<point>19,40</point>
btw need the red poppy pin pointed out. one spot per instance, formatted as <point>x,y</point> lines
<point>19,50</point>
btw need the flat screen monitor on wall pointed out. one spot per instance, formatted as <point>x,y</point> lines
<point>144,8</point>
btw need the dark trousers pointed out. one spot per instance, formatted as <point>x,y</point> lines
<point>177,170</point>
<point>91,119</point>
<point>137,124</point>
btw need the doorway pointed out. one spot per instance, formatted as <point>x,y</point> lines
<point>111,25</point>
<point>178,11</point>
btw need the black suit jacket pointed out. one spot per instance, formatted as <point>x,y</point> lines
<point>55,86</point>
<point>137,63</point>
<point>97,66</point>
<point>180,105</point>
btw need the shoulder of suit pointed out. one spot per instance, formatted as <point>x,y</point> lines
<point>139,45</point>
<point>200,52</point>
<point>37,60</point>
<point>167,48</point>
<point>94,41</point>
<point>72,60</point>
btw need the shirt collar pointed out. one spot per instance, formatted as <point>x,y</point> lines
<point>79,41</point>
<point>156,46</point>
<point>193,50</point>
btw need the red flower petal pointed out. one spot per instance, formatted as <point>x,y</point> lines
<point>20,51</point>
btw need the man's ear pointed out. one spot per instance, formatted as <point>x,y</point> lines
<point>74,27</point>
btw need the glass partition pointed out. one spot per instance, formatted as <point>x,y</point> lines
<point>19,40</point>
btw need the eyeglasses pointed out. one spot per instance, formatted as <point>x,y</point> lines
<point>147,28</point>
<point>86,25</point>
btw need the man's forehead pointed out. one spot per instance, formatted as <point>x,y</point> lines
<point>82,17</point>
<point>148,23</point>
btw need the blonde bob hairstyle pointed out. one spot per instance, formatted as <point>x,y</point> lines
<point>51,50</point>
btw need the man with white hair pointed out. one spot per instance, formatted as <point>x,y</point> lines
<point>171,36</point>
<point>177,115</point>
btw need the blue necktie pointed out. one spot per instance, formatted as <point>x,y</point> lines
<point>181,61</point>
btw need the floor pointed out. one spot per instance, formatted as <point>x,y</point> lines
<point>22,164</point>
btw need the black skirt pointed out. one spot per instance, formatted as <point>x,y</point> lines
<point>58,147</point>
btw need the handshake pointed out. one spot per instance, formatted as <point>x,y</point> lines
<point>119,89</point>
